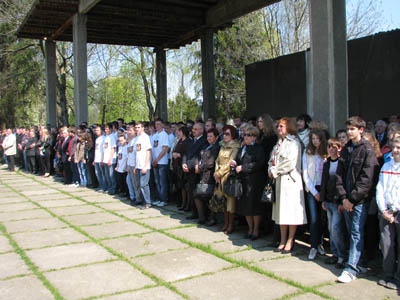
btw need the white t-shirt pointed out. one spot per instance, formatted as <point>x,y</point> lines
<point>109,143</point>
<point>98,151</point>
<point>131,152</point>
<point>122,158</point>
<point>160,139</point>
<point>171,140</point>
<point>142,145</point>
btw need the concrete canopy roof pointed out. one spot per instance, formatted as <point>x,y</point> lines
<point>147,23</point>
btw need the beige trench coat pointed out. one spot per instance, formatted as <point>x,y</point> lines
<point>289,208</point>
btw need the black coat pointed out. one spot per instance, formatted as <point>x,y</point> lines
<point>207,163</point>
<point>253,180</point>
<point>363,166</point>
<point>328,185</point>
<point>64,149</point>
<point>193,152</point>
<point>31,151</point>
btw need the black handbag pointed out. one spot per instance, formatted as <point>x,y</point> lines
<point>204,190</point>
<point>268,194</point>
<point>233,186</point>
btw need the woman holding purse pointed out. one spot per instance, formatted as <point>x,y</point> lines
<point>206,167</point>
<point>250,163</point>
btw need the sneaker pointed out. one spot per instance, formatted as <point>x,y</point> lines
<point>156,203</point>
<point>393,285</point>
<point>313,254</point>
<point>162,204</point>
<point>321,250</point>
<point>346,277</point>
<point>76,185</point>
<point>146,206</point>
<point>382,282</point>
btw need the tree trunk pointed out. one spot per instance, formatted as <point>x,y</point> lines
<point>146,84</point>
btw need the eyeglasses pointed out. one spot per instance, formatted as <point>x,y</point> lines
<point>280,126</point>
<point>227,133</point>
<point>248,134</point>
<point>195,129</point>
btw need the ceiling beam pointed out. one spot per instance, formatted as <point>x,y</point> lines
<point>227,10</point>
<point>60,30</point>
<point>86,5</point>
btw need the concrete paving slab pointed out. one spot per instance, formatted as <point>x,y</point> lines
<point>156,293</point>
<point>116,206</point>
<point>7,195</point>
<point>136,213</point>
<point>75,210</point>
<point>38,239</point>
<point>42,191</point>
<point>101,198</point>
<point>11,264</point>
<point>4,244</point>
<point>307,296</point>
<point>236,245</point>
<point>24,288</point>
<point>97,280</point>
<point>33,225</point>
<point>256,255</point>
<point>68,256</point>
<point>16,199</point>
<point>201,235</point>
<point>16,206</point>
<point>181,264</point>
<point>86,192</point>
<point>362,288</point>
<point>61,202</point>
<point>55,196</point>
<point>153,242</point>
<point>97,218</point>
<point>24,215</point>
<point>237,283</point>
<point>27,186</point>
<point>293,268</point>
<point>165,222</point>
<point>114,229</point>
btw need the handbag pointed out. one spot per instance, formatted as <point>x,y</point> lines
<point>217,202</point>
<point>204,189</point>
<point>268,194</point>
<point>233,185</point>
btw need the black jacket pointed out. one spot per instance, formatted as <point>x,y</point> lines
<point>207,163</point>
<point>328,185</point>
<point>31,151</point>
<point>362,165</point>
<point>64,149</point>
<point>193,152</point>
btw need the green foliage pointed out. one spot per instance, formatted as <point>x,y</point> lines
<point>190,108</point>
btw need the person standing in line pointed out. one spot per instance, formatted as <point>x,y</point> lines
<point>160,162</point>
<point>109,159</point>
<point>98,159</point>
<point>130,163</point>
<point>10,149</point>
<point>142,152</point>
<point>120,168</point>
<point>354,179</point>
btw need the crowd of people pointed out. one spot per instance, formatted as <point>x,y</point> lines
<point>346,186</point>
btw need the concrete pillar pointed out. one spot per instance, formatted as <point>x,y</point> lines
<point>51,82</point>
<point>80,68</point>
<point>208,75</point>
<point>328,63</point>
<point>161,81</point>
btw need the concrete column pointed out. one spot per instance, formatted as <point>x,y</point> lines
<point>328,63</point>
<point>51,81</point>
<point>80,68</point>
<point>208,75</point>
<point>161,81</point>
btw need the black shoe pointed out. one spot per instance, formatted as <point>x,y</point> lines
<point>274,245</point>
<point>331,260</point>
<point>191,217</point>
<point>180,208</point>
<point>339,265</point>
<point>211,222</point>
<point>201,222</point>
<point>248,236</point>
<point>254,237</point>
<point>135,203</point>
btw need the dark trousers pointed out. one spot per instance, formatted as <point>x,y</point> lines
<point>192,180</point>
<point>67,172</point>
<point>92,179</point>
<point>74,172</point>
<point>390,245</point>
<point>11,162</point>
<point>32,163</point>
<point>121,183</point>
<point>45,162</point>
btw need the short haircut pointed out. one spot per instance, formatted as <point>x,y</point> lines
<point>356,121</point>
<point>71,130</point>
<point>396,140</point>
<point>341,131</point>
<point>184,130</point>
<point>121,134</point>
<point>305,117</point>
<point>159,120</point>
<point>290,125</point>
<point>334,142</point>
<point>213,131</point>
<point>140,123</point>
<point>232,129</point>
<point>254,131</point>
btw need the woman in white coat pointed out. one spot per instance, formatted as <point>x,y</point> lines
<point>285,167</point>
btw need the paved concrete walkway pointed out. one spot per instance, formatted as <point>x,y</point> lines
<point>59,242</point>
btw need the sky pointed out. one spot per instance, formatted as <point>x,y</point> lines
<point>391,13</point>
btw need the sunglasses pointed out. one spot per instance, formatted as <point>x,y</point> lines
<point>227,133</point>
<point>248,134</point>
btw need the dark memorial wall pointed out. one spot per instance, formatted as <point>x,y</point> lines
<point>278,86</point>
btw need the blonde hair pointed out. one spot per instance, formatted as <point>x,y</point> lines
<point>370,137</point>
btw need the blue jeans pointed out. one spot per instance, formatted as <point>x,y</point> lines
<point>98,169</point>
<point>26,164</point>
<point>142,189</point>
<point>82,173</point>
<point>161,179</point>
<point>355,221</point>
<point>314,221</point>
<point>130,186</point>
<point>110,178</point>
<point>337,231</point>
